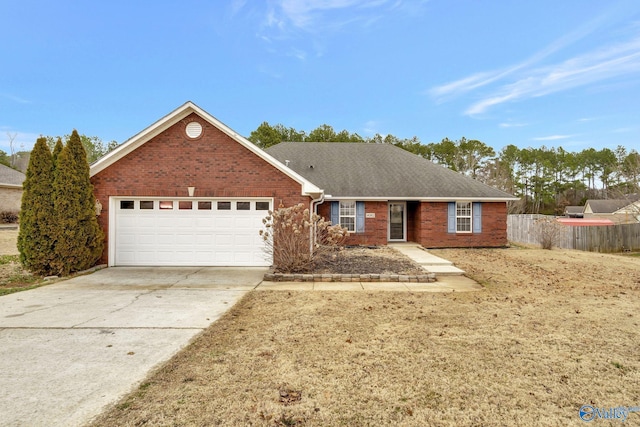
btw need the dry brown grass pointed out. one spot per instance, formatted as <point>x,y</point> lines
<point>8,239</point>
<point>552,331</point>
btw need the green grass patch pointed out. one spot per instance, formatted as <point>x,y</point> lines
<point>8,259</point>
<point>634,254</point>
<point>7,291</point>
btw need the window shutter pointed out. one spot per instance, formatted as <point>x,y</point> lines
<point>359,217</point>
<point>477,217</point>
<point>451,218</point>
<point>335,213</point>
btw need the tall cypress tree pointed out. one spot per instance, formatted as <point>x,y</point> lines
<point>79,237</point>
<point>57,149</point>
<point>37,234</point>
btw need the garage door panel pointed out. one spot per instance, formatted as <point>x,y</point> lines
<point>223,222</point>
<point>184,239</point>
<point>243,241</point>
<point>244,223</point>
<point>204,257</point>
<point>204,239</point>
<point>165,220</point>
<point>208,237</point>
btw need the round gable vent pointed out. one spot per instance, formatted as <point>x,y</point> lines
<point>194,130</point>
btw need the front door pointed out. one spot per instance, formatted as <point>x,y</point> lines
<point>397,222</point>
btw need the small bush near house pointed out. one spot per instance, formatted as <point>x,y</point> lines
<point>287,233</point>
<point>548,232</point>
<point>9,217</point>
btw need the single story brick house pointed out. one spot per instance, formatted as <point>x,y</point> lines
<point>10,189</point>
<point>188,190</point>
<point>383,194</point>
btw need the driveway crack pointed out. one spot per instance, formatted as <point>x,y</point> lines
<point>186,277</point>
<point>133,301</point>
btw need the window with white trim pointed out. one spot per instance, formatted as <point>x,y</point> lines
<point>463,217</point>
<point>348,215</point>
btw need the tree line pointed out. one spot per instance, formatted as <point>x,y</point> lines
<point>547,179</point>
<point>94,148</point>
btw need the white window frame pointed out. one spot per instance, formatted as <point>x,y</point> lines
<point>463,215</point>
<point>343,213</point>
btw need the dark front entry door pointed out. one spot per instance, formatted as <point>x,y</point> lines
<point>397,219</point>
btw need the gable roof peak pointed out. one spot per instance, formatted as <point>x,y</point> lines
<point>181,113</point>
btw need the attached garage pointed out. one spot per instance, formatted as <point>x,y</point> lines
<point>189,232</point>
<point>190,191</point>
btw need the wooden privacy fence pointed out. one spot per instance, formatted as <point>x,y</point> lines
<point>604,238</point>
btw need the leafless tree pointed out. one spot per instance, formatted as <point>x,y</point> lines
<point>12,147</point>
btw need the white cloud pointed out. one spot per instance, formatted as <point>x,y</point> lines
<point>14,98</point>
<point>512,125</point>
<point>553,137</point>
<point>623,130</point>
<point>526,79</point>
<point>613,61</point>
<point>303,13</point>
<point>371,127</point>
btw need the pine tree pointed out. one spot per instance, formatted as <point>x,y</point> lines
<point>79,237</point>
<point>56,151</point>
<point>36,235</point>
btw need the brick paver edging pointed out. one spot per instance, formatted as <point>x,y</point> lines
<point>281,277</point>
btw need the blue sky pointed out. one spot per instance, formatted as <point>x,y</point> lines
<point>530,73</point>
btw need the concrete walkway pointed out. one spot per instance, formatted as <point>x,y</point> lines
<point>431,263</point>
<point>69,349</point>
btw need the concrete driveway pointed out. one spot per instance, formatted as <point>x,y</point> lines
<point>69,349</point>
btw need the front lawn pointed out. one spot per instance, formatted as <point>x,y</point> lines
<point>552,331</point>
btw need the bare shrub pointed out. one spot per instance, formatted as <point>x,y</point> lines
<point>287,233</point>
<point>9,217</point>
<point>548,232</point>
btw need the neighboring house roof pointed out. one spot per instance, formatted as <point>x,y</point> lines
<point>573,210</point>
<point>378,171</point>
<point>11,177</point>
<point>181,113</point>
<point>604,206</point>
<point>631,208</point>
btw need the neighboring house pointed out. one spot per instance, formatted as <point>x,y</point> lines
<point>10,189</point>
<point>383,193</point>
<point>574,211</point>
<point>632,210</point>
<point>616,210</point>
<point>188,190</point>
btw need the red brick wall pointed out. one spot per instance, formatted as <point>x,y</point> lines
<point>215,164</point>
<point>433,224</point>
<point>375,229</point>
<point>427,225</point>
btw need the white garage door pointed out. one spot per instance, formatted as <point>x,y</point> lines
<point>166,232</point>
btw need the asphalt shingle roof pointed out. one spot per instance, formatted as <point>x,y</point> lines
<point>607,206</point>
<point>10,176</point>
<point>377,171</point>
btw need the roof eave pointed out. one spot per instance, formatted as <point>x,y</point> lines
<point>424,199</point>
